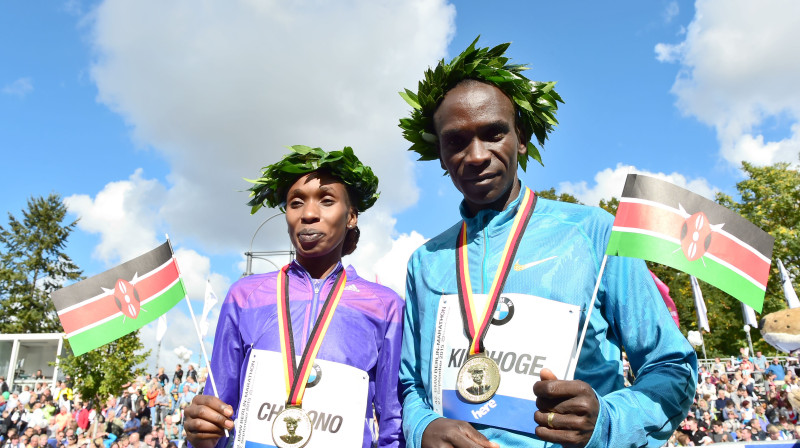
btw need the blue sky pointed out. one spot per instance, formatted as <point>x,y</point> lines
<point>145,116</point>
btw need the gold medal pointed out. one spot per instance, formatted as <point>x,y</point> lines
<point>478,379</point>
<point>292,428</point>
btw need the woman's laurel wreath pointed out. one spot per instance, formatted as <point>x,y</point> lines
<point>270,189</point>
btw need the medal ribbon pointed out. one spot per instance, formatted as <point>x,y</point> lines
<point>476,329</point>
<point>296,375</point>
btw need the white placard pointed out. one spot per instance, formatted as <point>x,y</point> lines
<point>527,334</point>
<point>335,399</point>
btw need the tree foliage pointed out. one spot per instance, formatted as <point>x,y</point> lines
<point>105,370</point>
<point>563,197</point>
<point>33,264</point>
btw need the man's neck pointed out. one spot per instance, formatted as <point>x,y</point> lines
<point>499,204</point>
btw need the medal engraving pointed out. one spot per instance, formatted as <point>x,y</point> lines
<point>291,428</point>
<point>478,379</point>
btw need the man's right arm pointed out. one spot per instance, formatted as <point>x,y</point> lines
<point>417,412</point>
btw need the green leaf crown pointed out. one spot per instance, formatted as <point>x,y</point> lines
<point>270,189</point>
<point>535,102</point>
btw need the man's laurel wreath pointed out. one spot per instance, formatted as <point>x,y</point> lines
<point>535,102</point>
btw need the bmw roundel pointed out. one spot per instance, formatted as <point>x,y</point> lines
<point>504,311</point>
<point>315,376</point>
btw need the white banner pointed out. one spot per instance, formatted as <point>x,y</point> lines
<point>161,327</point>
<point>527,334</point>
<point>208,304</point>
<point>788,289</point>
<point>335,399</point>
<point>700,305</point>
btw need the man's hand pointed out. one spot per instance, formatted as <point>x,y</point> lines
<point>447,433</point>
<point>207,418</point>
<point>574,408</point>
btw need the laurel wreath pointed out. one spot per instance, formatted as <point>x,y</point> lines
<point>535,102</point>
<point>270,189</point>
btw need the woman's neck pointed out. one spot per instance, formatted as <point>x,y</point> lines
<point>320,267</point>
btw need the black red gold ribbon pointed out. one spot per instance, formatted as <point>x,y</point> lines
<point>475,324</point>
<point>296,375</point>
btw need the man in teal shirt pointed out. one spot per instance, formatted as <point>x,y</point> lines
<point>477,116</point>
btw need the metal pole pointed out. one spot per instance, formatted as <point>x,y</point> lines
<point>158,355</point>
<point>703,339</point>
<point>749,340</point>
<point>249,269</point>
<point>249,253</point>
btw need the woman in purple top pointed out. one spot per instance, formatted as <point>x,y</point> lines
<point>321,194</point>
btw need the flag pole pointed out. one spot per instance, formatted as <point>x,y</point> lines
<point>577,353</point>
<point>197,330</point>
<point>703,344</point>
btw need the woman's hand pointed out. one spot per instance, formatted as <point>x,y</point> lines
<point>448,433</point>
<point>207,419</point>
<point>567,410</point>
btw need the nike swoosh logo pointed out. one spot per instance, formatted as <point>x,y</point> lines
<point>521,267</point>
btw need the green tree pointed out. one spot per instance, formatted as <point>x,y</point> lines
<point>33,264</point>
<point>610,205</point>
<point>770,199</point>
<point>105,370</point>
<point>563,197</point>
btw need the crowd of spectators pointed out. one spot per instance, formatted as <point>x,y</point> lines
<point>148,413</point>
<point>742,400</point>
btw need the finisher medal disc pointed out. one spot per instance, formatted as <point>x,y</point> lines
<point>478,379</point>
<point>291,428</point>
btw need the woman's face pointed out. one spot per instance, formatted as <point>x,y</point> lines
<point>318,214</point>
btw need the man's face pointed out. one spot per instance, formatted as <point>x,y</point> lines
<point>755,424</point>
<point>479,144</point>
<point>717,429</point>
<point>477,376</point>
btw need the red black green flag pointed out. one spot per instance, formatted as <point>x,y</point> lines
<point>661,222</point>
<point>110,305</point>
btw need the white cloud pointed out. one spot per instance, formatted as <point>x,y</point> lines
<point>19,88</point>
<point>668,53</point>
<point>221,89</point>
<point>609,183</point>
<point>125,214</point>
<point>384,255</point>
<point>671,11</point>
<point>739,69</point>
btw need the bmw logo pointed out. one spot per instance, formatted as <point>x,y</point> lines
<point>504,311</point>
<point>315,376</point>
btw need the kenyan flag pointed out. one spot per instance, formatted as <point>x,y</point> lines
<point>661,222</point>
<point>110,305</point>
